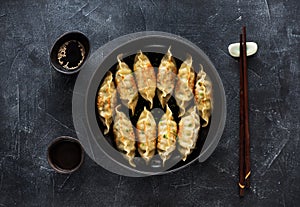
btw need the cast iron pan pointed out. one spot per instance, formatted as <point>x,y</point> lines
<point>89,128</point>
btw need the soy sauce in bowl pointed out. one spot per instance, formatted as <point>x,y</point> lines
<point>69,52</point>
<point>65,154</point>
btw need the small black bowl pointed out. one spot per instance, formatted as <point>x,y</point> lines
<point>65,154</point>
<point>70,52</point>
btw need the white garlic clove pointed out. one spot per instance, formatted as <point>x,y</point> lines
<point>234,49</point>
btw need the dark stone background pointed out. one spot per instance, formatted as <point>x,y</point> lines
<point>36,102</point>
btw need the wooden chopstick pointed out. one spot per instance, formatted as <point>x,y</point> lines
<point>244,162</point>
<point>246,117</point>
<point>242,129</point>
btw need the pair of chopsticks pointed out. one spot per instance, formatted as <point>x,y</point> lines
<point>244,153</point>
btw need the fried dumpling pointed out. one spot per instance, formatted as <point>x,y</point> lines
<point>146,133</point>
<point>126,85</point>
<point>203,96</point>
<point>106,101</point>
<point>167,133</point>
<point>185,85</point>
<point>166,78</point>
<point>189,127</point>
<point>145,77</point>
<point>124,135</point>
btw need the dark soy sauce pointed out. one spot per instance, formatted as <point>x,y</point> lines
<point>65,154</point>
<point>72,54</point>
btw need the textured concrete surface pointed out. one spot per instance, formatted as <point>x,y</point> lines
<point>36,102</point>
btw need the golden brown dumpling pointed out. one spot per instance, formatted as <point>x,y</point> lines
<point>188,131</point>
<point>124,135</point>
<point>146,133</point>
<point>185,85</point>
<point>167,133</point>
<point>145,77</point>
<point>203,96</point>
<point>107,100</point>
<point>126,85</point>
<point>166,78</point>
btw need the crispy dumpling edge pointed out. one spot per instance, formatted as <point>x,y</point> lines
<point>187,151</point>
<point>206,84</point>
<point>145,93</point>
<point>131,104</point>
<point>107,121</point>
<point>146,113</point>
<point>165,154</point>
<point>182,103</point>
<point>164,97</point>
<point>127,156</point>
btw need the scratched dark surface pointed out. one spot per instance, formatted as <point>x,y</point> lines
<point>36,102</point>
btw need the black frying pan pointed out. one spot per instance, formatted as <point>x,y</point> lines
<point>89,128</point>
